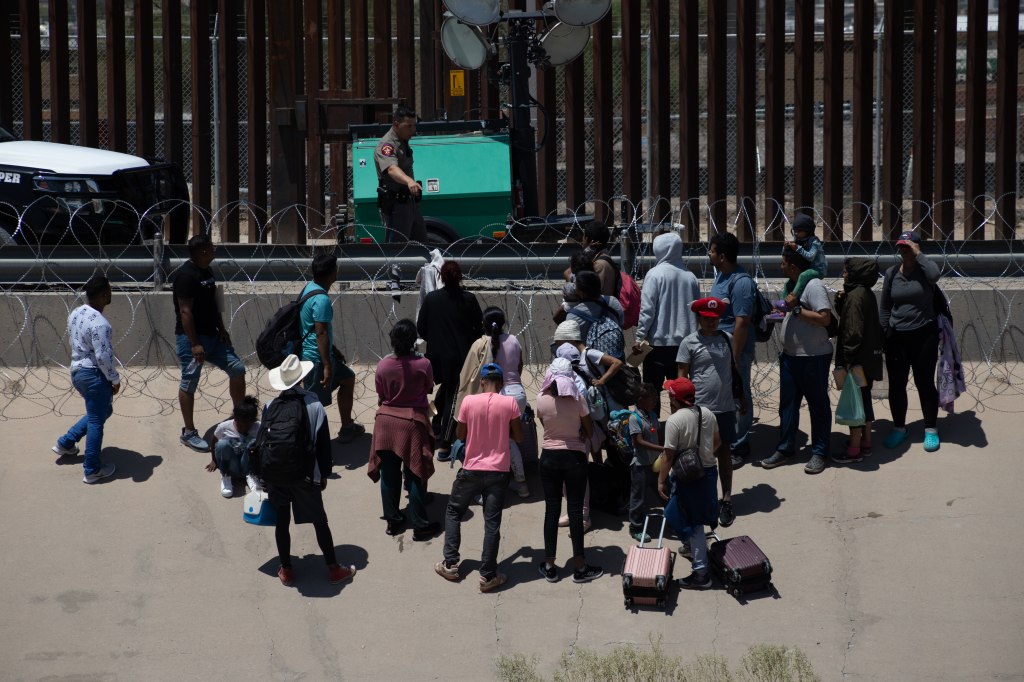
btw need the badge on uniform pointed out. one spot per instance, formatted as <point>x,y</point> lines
<point>387,150</point>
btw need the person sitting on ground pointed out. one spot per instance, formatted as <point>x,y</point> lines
<point>860,344</point>
<point>705,358</point>
<point>692,505</point>
<point>644,434</point>
<point>232,439</point>
<point>403,441</point>
<point>295,464</point>
<point>486,423</point>
<point>330,371</point>
<point>809,247</point>
<point>565,415</point>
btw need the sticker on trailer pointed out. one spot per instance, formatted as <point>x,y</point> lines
<point>433,185</point>
<point>362,163</point>
<point>11,178</point>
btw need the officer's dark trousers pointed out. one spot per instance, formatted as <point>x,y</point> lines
<point>404,223</point>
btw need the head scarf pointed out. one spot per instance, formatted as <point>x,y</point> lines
<point>560,375</point>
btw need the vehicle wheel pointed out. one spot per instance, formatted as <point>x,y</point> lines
<point>439,233</point>
<point>5,236</point>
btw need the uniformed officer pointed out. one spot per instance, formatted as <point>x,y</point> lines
<point>398,194</point>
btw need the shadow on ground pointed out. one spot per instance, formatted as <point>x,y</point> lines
<point>311,571</point>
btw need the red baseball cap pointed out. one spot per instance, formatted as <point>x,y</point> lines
<point>681,389</point>
<point>708,307</point>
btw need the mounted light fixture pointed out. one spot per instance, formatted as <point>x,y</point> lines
<point>464,44</point>
<point>475,12</point>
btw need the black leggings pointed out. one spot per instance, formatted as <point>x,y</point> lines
<point>284,538</point>
<point>916,350</point>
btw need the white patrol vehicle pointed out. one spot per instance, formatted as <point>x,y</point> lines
<point>64,194</point>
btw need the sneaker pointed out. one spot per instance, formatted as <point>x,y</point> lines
<point>895,438</point>
<point>931,440</point>
<point>815,465</point>
<point>737,461</point>
<point>496,581</point>
<point>725,514</point>
<point>104,471</point>
<point>865,450</point>
<point>62,451</point>
<point>522,490</point>
<point>640,536</point>
<point>777,458</point>
<point>850,456</point>
<point>349,433</point>
<point>685,551</point>
<point>339,574</point>
<point>227,486</point>
<point>395,526</point>
<point>698,580</point>
<point>286,576</point>
<point>563,521</point>
<point>447,572</point>
<point>550,573</point>
<point>426,532</point>
<point>587,574</point>
<point>252,482</point>
<point>444,455</point>
<point>191,439</point>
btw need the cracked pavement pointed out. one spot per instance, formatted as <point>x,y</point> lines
<point>900,568</point>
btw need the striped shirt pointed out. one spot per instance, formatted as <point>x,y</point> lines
<point>91,344</point>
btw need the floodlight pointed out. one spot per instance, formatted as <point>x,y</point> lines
<point>581,12</point>
<point>475,12</point>
<point>465,45</point>
<point>563,43</point>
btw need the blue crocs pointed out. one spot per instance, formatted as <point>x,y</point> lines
<point>931,440</point>
<point>895,438</point>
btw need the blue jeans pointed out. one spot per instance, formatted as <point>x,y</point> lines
<point>232,455</point>
<point>804,377</point>
<point>99,399</point>
<point>740,445</point>
<point>468,484</point>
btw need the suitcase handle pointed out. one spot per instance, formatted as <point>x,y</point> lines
<point>661,535</point>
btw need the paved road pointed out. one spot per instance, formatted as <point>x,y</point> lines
<point>905,568</point>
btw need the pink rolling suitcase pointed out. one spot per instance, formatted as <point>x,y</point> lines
<point>741,565</point>
<point>647,572</point>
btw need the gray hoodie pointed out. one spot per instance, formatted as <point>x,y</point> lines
<point>665,297</point>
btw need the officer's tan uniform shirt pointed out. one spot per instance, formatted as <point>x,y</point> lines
<point>391,151</point>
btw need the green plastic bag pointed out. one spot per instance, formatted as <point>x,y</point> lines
<point>850,410</point>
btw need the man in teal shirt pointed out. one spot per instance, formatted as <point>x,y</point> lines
<point>329,369</point>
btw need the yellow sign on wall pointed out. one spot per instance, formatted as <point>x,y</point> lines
<point>457,83</point>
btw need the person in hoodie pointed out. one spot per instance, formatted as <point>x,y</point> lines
<point>860,344</point>
<point>665,318</point>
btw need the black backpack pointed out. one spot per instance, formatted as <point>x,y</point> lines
<point>283,333</point>
<point>624,386</point>
<point>283,452</point>
<point>762,308</point>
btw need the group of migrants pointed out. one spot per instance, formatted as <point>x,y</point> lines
<point>604,442</point>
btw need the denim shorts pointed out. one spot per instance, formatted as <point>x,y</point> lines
<point>218,354</point>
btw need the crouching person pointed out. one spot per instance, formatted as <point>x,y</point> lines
<point>692,505</point>
<point>232,439</point>
<point>292,457</point>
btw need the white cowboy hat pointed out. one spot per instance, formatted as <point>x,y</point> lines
<point>291,372</point>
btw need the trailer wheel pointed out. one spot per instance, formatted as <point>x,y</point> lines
<point>439,233</point>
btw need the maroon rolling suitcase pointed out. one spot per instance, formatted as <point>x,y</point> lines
<point>647,572</point>
<point>741,565</point>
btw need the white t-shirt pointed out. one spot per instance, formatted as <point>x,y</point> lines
<point>800,338</point>
<point>681,433</point>
<point>227,429</point>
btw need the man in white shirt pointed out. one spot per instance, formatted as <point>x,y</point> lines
<point>94,375</point>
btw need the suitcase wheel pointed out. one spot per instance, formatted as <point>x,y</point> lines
<point>660,603</point>
<point>627,602</point>
<point>659,583</point>
<point>627,582</point>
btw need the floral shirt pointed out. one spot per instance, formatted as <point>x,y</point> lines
<point>91,344</point>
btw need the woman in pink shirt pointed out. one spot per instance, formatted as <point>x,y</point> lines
<point>403,440</point>
<point>565,415</point>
